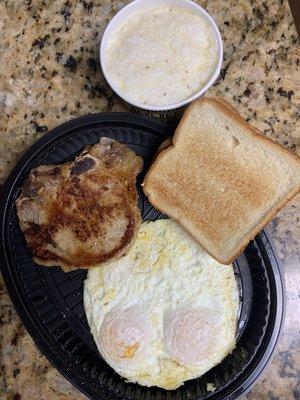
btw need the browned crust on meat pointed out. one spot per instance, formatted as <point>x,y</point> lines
<point>87,199</point>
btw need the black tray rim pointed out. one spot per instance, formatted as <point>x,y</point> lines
<point>54,134</point>
<point>22,308</point>
<point>266,245</point>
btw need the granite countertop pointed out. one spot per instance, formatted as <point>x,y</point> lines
<point>50,74</point>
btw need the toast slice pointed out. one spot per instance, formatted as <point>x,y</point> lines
<point>221,179</point>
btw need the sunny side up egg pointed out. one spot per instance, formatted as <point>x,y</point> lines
<point>165,313</point>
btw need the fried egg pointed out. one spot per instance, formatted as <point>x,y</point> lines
<point>166,312</point>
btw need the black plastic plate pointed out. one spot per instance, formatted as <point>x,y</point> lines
<point>50,304</point>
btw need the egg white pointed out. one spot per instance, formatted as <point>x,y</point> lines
<point>166,312</point>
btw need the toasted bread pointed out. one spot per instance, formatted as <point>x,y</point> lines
<point>221,179</point>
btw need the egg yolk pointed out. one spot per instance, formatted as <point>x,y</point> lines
<point>129,351</point>
<point>123,334</point>
<point>189,335</point>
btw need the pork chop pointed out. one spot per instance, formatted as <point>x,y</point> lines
<point>82,213</point>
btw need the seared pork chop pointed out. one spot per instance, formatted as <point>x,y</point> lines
<point>82,213</point>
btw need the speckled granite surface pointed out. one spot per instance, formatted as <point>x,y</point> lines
<point>49,74</point>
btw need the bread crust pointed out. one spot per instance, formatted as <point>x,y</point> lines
<point>227,109</point>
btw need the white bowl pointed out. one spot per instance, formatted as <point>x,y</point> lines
<point>139,6</point>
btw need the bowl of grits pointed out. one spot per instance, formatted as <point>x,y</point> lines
<point>161,54</point>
